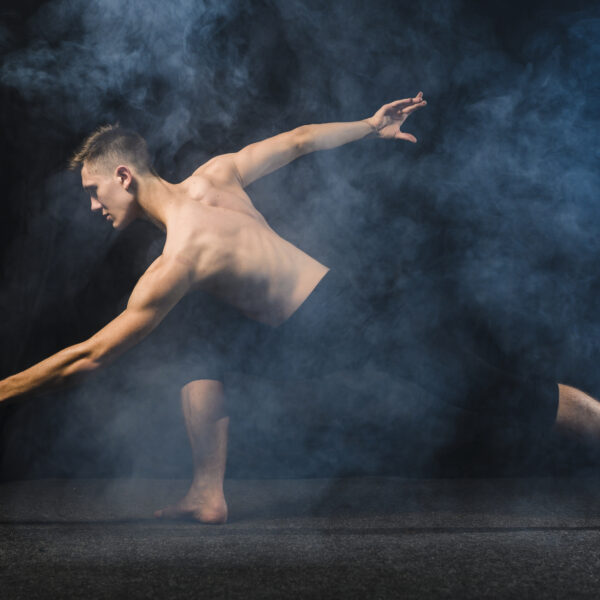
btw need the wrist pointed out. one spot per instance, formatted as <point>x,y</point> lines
<point>373,129</point>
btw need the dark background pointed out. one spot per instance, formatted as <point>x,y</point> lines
<point>493,214</point>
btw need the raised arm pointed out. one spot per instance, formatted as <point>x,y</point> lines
<point>261,158</point>
<point>164,283</point>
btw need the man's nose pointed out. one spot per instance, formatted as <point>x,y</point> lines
<point>95,204</point>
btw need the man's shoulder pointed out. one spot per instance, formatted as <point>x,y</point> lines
<point>221,167</point>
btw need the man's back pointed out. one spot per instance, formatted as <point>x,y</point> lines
<point>231,250</point>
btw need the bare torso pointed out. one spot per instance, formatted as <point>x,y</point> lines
<point>233,253</point>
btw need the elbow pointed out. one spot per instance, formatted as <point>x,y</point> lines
<point>303,140</point>
<point>79,371</point>
<point>88,365</point>
<point>85,360</point>
<point>75,364</point>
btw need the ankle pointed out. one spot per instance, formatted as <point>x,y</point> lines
<point>207,486</point>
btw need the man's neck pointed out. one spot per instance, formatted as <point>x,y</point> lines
<point>155,197</point>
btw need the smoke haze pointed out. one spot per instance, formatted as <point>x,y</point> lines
<point>493,215</point>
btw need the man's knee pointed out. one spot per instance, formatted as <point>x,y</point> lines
<point>204,399</point>
<point>203,387</point>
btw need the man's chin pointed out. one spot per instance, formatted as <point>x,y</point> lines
<point>120,225</point>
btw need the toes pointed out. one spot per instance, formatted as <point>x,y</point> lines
<point>171,512</point>
<point>200,514</point>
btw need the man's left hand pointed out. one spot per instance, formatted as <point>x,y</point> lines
<point>388,120</point>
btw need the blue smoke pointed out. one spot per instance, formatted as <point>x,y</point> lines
<point>493,213</point>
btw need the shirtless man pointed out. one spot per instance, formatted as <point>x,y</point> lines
<point>216,240</point>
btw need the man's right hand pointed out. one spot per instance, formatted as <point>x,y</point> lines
<point>388,120</point>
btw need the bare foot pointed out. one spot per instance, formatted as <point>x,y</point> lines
<point>197,506</point>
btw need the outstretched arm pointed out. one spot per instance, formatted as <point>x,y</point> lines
<point>164,283</point>
<point>259,159</point>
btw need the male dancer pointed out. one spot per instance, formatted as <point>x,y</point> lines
<point>217,241</point>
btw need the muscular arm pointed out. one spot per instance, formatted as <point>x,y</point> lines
<point>164,283</point>
<point>259,159</point>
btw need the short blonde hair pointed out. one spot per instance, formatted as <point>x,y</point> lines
<point>110,145</point>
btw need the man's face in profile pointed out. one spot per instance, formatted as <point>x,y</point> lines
<point>108,195</point>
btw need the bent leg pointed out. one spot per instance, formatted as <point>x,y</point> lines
<point>203,404</point>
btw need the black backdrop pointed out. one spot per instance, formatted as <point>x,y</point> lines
<point>494,212</point>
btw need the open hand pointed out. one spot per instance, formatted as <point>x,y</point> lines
<point>386,122</point>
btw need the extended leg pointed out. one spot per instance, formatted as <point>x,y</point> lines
<point>203,404</point>
<point>578,414</point>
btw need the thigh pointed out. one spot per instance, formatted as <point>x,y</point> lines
<point>192,339</point>
<point>465,368</point>
<point>322,336</point>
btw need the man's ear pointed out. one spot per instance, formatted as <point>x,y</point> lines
<point>124,176</point>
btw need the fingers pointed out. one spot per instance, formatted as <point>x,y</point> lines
<point>397,103</point>
<point>405,101</point>
<point>409,137</point>
<point>413,107</point>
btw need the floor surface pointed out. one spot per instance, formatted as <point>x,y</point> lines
<point>319,538</point>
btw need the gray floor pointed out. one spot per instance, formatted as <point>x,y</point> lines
<point>335,538</point>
